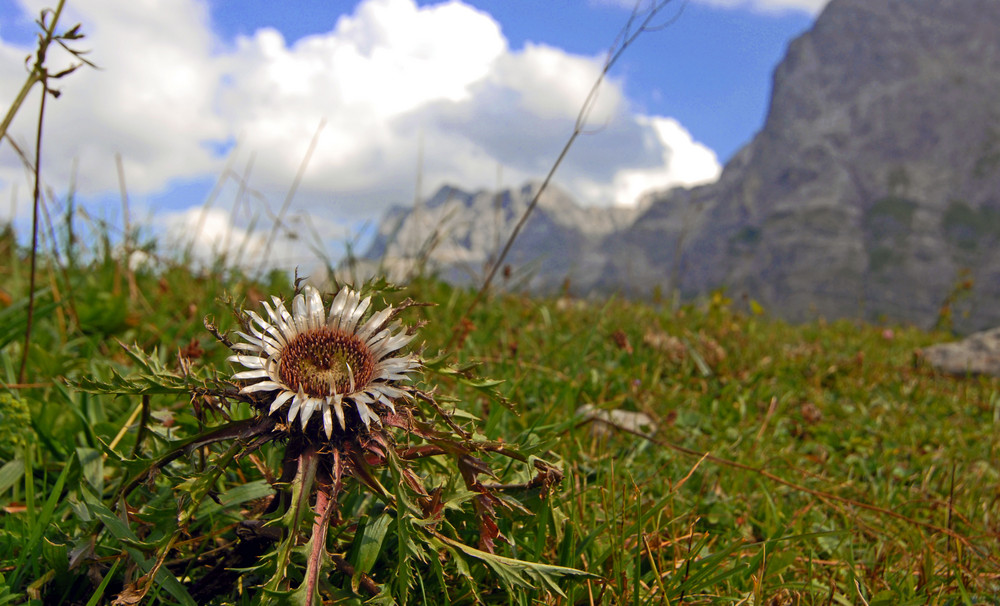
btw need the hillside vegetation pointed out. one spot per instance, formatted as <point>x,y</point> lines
<point>813,464</point>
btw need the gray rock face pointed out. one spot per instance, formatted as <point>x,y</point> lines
<point>873,188</point>
<point>872,191</point>
<point>459,234</point>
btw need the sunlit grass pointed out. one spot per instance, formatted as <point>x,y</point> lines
<point>839,467</point>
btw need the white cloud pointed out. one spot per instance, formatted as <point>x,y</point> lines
<point>391,81</point>
<point>812,7</point>
<point>208,233</point>
<point>689,163</point>
<point>151,100</point>
<point>376,68</point>
<point>551,84</point>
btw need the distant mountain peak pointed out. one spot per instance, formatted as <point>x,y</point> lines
<point>458,233</point>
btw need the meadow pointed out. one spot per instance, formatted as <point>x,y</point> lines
<point>823,463</point>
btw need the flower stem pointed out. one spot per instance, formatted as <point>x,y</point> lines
<point>325,506</point>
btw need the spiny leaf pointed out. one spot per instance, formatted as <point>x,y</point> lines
<point>150,378</point>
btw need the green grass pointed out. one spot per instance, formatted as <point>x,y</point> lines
<point>814,464</point>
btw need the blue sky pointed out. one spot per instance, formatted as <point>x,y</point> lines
<point>711,70</point>
<point>193,93</point>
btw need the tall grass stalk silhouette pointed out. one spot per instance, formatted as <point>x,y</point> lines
<point>640,21</point>
<point>39,74</point>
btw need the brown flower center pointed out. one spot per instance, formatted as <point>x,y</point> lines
<point>324,361</point>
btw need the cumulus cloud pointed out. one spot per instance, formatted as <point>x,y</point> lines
<point>689,163</point>
<point>151,101</point>
<point>812,7</point>
<point>389,88</point>
<point>208,234</point>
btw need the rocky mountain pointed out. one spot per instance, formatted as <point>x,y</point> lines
<point>873,189</point>
<point>459,234</point>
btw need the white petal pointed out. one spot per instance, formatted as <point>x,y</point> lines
<point>247,347</point>
<point>248,361</point>
<point>390,391</point>
<point>287,330</point>
<point>279,308</point>
<point>279,332</point>
<point>273,366</point>
<point>327,422</point>
<point>280,400</point>
<point>262,386</point>
<point>379,396</point>
<point>402,362</point>
<point>350,374</point>
<point>394,369</point>
<point>256,320</point>
<point>373,323</point>
<point>400,340</point>
<point>314,307</point>
<point>267,329</point>
<point>391,376</point>
<point>338,407</point>
<point>392,344</point>
<point>337,308</point>
<point>265,342</point>
<point>375,341</point>
<point>300,313</point>
<point>349,320</point>
<point>251,340</point>
<point>251,374</point>
<point>297,402</point>
<point>256,332</point>
<point>307,410</point>
<point>350,308</point>
<point>366,414</point>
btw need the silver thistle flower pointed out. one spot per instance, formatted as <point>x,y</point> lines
<point>321,363</point>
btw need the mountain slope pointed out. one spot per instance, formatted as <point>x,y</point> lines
<point>873,188</point>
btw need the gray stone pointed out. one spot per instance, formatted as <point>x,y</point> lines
<point>602,422</point>
<point>977,354</point>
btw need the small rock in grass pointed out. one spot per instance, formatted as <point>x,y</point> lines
<point>602,421</point>
<point>978,354</point>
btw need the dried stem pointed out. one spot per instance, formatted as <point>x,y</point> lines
<point>291,193</point>
<point>38,71</point>
<point>367,583</point>
<point>34,213</point>
<point>625,39</point>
